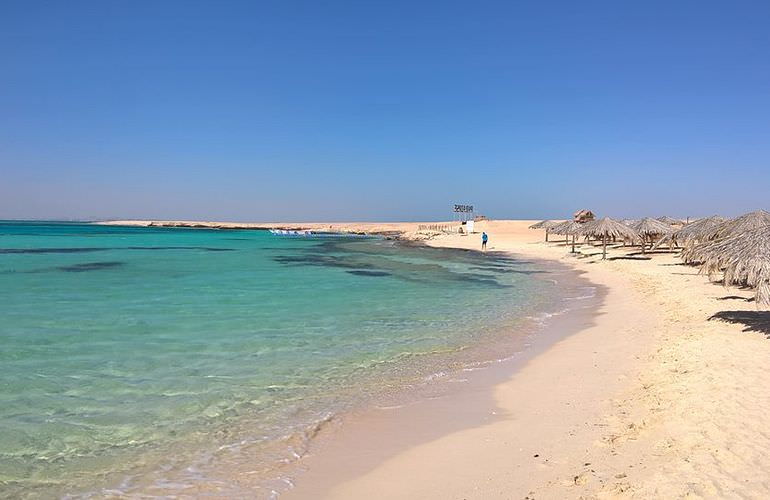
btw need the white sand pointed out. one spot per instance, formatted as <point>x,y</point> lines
<point>654,401</point>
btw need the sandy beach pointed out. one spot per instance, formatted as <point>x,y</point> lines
<point>244,254</point>
<point>651,400</point>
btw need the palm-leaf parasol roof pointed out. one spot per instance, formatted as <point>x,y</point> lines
<point>607,228</point>
<point>670,220</point>
<point>745,259</point>
<point>544,224</point>
<point>652,227</point>
<point>567,227</point>
<point>751,220</point>
<point>692,232</point>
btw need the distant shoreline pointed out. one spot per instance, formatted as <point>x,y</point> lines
<point>405,230</point>
<point>370,228</point>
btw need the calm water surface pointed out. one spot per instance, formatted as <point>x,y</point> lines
<point>146,357</point>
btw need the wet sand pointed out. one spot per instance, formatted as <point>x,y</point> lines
<point>459,400</point>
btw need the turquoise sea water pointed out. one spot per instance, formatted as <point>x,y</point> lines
<point>141,357</point>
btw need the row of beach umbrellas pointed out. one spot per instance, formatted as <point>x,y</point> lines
<point>737,248</point>
<point>607,229</point>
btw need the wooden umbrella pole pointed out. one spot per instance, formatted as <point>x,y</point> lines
<point>604,246</point>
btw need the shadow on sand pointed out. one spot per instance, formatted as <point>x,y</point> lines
<point>629,257</point>
<point>753,321</point>
<point>736,297</point>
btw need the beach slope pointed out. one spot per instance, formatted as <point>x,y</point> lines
<point>652,401</point>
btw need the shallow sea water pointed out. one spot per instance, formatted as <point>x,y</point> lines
<point>144,358</point>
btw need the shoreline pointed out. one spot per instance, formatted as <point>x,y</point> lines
<point>361,228</point>
<point>654,401</point>
<point>657,400</point>
<point>461,463</point>
<point>477,346</point>
<point>468,377</point>
<point>463,400</point>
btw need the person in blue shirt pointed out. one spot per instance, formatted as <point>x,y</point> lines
<point>484,239</point>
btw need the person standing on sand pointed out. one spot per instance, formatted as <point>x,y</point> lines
<point>484,239</point>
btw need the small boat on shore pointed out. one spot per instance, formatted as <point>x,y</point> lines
<point>316,234</point>
<point>288,232</point>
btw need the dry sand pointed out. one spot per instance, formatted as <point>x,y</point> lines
<point>651,401</point>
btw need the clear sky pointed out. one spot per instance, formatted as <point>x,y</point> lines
<point>291,110</point>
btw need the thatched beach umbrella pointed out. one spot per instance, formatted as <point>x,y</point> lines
<point>670,221</point>
<point>751,220</point>
<point>744,258</point>
<point>629,223</point>
<point>607,228</point>
<point>568,228</point>
<point>692,233</point>
<point>544,224</point>
<point>711,239</point>
<point>649,228</point>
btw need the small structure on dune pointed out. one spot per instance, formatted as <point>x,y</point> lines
<point>583,216</point>
<point>605,229</point>
<point>649,229</point>
<point>544,224</point>
<point>568,228</point>
<point>744,259</point>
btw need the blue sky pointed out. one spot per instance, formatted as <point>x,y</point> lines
<point>382,110</point>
